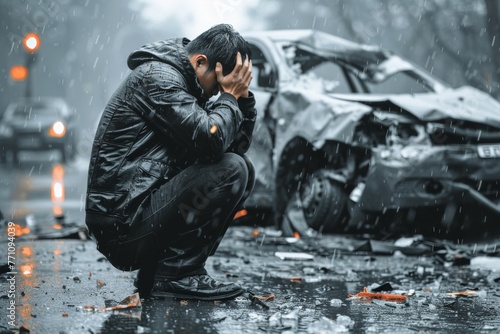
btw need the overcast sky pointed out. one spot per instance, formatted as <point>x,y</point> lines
<point>198,15</point>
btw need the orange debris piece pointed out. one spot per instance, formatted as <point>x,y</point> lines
<point>265,298</point>
<point>129,302</point>
<point>463,293</point>
<point>365,294</point>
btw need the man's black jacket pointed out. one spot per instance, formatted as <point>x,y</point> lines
<point>155,125</point>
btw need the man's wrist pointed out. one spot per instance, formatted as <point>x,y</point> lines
<point>247,105</point>
<point>229,96</point>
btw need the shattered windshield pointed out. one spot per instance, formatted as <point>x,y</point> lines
<point>343,75</point>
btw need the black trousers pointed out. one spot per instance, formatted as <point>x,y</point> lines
<point>184,220</point>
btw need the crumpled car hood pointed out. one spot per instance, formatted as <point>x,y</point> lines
<point>465,103</point>
<point>318,117</point>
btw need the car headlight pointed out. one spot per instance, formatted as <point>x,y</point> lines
<point>6,131</point>
<point>58,129</point>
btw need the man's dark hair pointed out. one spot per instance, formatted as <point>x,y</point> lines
<point>220,44</point>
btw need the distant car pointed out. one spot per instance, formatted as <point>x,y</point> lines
<point>38,124</point>
<point>353,138</point>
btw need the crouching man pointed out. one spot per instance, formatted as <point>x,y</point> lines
<point>168,171</point>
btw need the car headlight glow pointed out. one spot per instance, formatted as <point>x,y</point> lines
<point>58,129</point>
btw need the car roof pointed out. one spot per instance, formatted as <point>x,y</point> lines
<point>37,102</point>
<point>53,102</point>
<point>326,45</point>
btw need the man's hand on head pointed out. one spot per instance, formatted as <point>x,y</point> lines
<point>238,81</point>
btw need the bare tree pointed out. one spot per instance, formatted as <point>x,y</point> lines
<point>456,40</point>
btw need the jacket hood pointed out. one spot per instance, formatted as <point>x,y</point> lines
<point>170,51</point>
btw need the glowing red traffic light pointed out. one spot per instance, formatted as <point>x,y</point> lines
<point>31,42</point>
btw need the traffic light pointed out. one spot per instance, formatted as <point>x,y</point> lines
<point>31,42</point>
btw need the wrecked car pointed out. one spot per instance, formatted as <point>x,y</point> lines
<point>353,138</point>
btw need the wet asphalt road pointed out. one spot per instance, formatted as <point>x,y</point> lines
<point>40,189</point>
<point>59,278</point>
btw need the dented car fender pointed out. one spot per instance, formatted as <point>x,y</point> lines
<point>315,117</point>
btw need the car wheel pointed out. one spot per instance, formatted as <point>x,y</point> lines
<point>297,161</point>
<point>323,202</point>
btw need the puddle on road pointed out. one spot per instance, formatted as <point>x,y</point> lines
<point>295,309</point>
<point>302,307</point>
<point>486,263</point>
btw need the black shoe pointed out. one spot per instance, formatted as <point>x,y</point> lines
<point>199,287</point>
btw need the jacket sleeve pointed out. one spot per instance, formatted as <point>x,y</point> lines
<point>243,138</point>
<point>179,117</point>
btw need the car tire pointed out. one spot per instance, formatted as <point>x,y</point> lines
<point>324,202</point>
<point>298,160</point>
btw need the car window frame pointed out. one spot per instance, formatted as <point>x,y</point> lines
<point>274,69</point>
